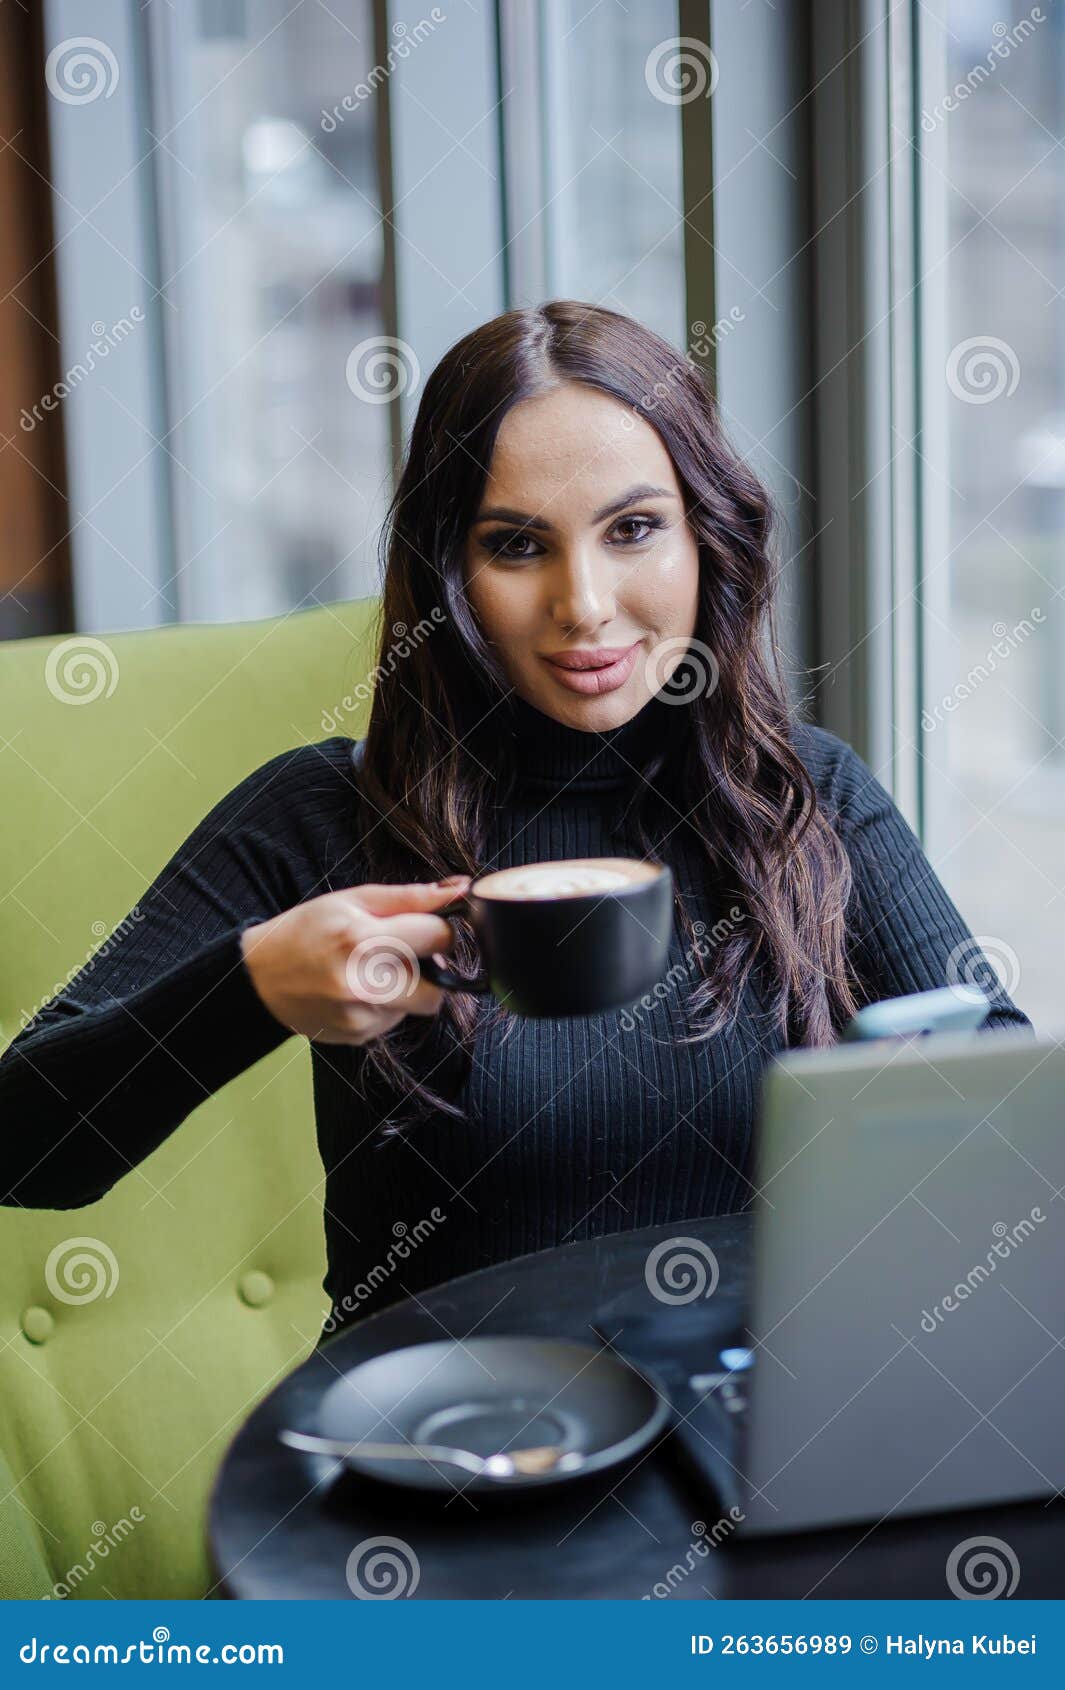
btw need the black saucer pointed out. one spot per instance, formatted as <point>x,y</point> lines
<point>493,1395</point>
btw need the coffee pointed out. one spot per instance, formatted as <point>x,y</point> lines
<point>542,957</point>
<point>574,877</point>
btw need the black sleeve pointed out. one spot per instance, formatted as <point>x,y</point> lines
<point>905,933</point>
<point>165,1012</point>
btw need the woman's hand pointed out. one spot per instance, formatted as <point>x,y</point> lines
<point>343,968</point>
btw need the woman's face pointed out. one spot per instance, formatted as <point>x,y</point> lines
<point>581,553</point>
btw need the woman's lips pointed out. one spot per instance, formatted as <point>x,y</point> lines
<point>594,670</point>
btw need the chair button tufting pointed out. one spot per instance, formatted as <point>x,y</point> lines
<point>37,1324</point>
<point>256,1288</point>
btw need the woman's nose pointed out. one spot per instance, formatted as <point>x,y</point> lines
<point>582,594</point>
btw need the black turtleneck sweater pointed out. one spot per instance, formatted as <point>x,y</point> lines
<point>572,1128</point>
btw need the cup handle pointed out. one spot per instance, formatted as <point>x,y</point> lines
<point>438,974</point>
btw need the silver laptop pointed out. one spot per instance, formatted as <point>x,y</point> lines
<point>907,1348</point>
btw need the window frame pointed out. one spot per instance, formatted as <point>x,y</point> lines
<point>106,262</point>
<point>847,467</point>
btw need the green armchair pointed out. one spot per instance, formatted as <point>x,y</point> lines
<point>195,1284</point>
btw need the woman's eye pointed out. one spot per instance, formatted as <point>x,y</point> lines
<point>520,547</point>
<point>516,546</point>
<point>632,529</point>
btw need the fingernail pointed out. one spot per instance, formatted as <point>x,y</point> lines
<point>452,880</point>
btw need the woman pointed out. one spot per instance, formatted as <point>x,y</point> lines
<point>589,567</point>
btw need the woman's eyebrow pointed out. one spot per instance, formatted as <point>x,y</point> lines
<point>521,519</point>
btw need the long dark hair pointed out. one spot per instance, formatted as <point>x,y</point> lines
<point>428,771</point>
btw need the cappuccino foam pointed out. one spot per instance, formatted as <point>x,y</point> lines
<point>576,877</point>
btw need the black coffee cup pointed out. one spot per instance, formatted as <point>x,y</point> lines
<point>574,937</point>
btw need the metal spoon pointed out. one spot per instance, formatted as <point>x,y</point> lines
<point>522,1463</point>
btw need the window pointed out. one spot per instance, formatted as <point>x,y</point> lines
<point>992,179</point>
<point>272,250</point>
<point>282,197</point>
<point>613,189</point>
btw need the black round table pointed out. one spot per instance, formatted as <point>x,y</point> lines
<point>283,1524</point>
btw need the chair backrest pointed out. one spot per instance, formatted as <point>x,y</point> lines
<point>115,1411</point>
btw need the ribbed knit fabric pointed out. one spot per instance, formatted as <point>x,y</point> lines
<point>572,1128</point>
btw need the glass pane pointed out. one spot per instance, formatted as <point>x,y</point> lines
<point>614,188</point>
<point>993,715</point>
<point>272,261</point>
